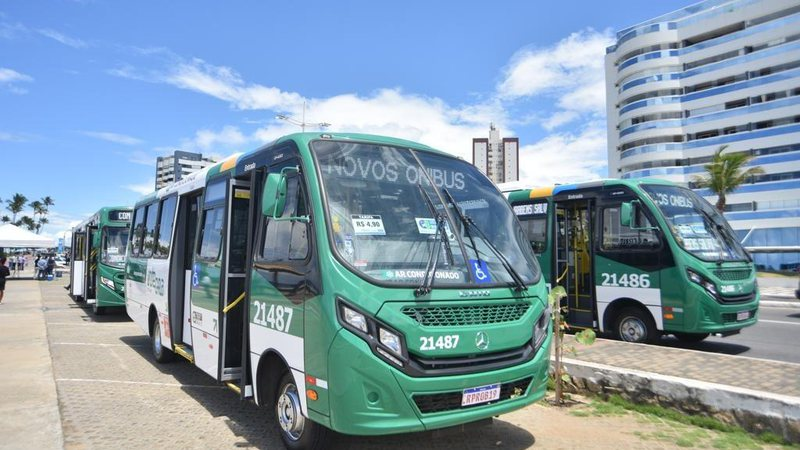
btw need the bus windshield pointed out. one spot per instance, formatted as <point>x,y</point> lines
<point>697,226</point>
<point>383,212</point>
<point>115,242</point>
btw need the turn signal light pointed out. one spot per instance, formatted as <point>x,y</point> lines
<point>312,395</point>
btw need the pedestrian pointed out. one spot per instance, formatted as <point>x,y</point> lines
<point>4,273</point>
<point>51,265</point>
<point>42,266</point>
<point>36,265</point>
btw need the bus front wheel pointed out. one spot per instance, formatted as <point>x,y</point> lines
<point>297,432</point>
<point>690,338</point>
<point>160,353</point>
<point>635,325</point>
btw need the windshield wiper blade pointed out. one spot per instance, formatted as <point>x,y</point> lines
<point>467,223</point>
<point>430,271</point>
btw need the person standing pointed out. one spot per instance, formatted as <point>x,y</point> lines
<point>42,266</point>
<point>4,273</point>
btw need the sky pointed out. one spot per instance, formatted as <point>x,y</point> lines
<point>92,91</point>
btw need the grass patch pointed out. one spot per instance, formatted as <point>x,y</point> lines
<point>729,437</point>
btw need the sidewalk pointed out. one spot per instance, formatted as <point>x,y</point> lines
<point>29,414</point>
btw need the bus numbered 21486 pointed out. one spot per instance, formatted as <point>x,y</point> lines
<point>353,283</point>
<point>97,271</point>
<point>640,258</point>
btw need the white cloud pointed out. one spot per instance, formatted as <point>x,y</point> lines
<point>62,38</point>
<point>565,157</point>
<point>113,137</point>
<point>11,137</point>
<point>142,188</point>
<point>9,78</point>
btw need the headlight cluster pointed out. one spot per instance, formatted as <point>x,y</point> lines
<point>709,286</point>
<point>108,282</point>
<point>384,341</point>
<point>540,327</point>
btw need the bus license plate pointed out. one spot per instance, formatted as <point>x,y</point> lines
<point>482,394</point>
<point>743,315</point>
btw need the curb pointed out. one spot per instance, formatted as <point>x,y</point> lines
<point>755,411</point>
<point>779,304</point>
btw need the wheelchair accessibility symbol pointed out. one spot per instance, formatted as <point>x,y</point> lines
<point>195,278</point>
<point>480,271</point>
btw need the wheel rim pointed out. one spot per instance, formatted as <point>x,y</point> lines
<point>287,408</point>
<point>632,329</point>
<point>156,339</point>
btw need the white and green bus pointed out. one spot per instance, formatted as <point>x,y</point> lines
<point>640,258</point>
<point>97,257</point>
<point>354,283</point>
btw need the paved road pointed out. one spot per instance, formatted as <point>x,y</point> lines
<point>775,337</point>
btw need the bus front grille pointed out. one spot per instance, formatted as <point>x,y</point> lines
<point>732,274</point>
<point>449,316</point>
<point>450,401</point>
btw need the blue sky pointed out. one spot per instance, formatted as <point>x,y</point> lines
<point>92,91</point>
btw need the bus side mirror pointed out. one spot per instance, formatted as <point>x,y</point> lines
<point>627,214</point>
<point>274,199</point>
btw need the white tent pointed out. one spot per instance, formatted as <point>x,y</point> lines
<point>13,236</point>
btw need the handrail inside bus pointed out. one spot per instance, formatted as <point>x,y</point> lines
<point>561,277</point>
<point>235,302</point>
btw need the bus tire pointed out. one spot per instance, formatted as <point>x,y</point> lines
<point>297,432</point>
<point>160,353</point>
<point>690,338</point>
<point>635,325</point>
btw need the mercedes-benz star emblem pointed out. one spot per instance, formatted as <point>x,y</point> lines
<point>481,340</point>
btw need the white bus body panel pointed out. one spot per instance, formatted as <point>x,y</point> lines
<point>77,280</point>
<point>187,308</point>
<point>205,336</point>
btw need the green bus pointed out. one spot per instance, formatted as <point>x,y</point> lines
<point>97,255</point>
<point>640,258</point>
<point>348,282</point>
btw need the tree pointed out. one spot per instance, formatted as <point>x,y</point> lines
<point>585,337</point>
<point>15,205</point>
<point>725,173</point>
<point>5,219</point>
<point>27,222</point>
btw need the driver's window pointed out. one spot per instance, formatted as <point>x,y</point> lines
<point>619,237</point>
<point>287,240</point>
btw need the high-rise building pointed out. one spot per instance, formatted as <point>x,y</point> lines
<point>172,168</point>
<point>719,72</point>
<point>497,158</point>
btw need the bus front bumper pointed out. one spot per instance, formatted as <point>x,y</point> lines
<point>370,397</point>
<point>715,317</point>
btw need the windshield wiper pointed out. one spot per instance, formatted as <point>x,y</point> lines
<point>430,271</point>
<point>467,223</point>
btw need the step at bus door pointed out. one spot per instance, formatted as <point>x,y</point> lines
<point>232,300</point>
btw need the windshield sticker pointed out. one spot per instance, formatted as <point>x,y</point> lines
<point>348,246</point>
<point>480,271</point>
<point>367,225</point>
<point>425,225</point>
<point>473,204</point>
<point>399,275</point>
<point>113,250</point>
<point>361,263</point>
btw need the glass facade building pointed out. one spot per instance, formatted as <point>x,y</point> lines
<point>719,72</point>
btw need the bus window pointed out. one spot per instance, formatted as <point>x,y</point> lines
<point>211,237</point>
<point>150,230</point>
<point>79,239</point>
<point>285,239</point>
<point>165,227</point>
<point>536,230</point>
<point>619,237</point>
<point>138,228</point>
<point>113,249</point>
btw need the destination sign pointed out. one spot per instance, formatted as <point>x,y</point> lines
<point>119,215</point>
<point>393,172</point>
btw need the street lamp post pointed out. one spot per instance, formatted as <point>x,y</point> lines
<point>302,123</point>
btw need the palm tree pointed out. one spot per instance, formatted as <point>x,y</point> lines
<point>725,173</point>
<point>16,204</point>
<point>27,222</point>
<point>5,219</point>
<point>42,222</point>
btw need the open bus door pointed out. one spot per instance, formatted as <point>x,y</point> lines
<point>77,264</point>
<point>90,255</point>
<point>574,259</point>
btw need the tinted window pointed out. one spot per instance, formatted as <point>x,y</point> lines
<point>287,240</point>
<point>211,237</point>
<point>165,226</point>
<point>150,230</point>
<point>619,237</point>
<point>536,230</point>
<point>138,229</point>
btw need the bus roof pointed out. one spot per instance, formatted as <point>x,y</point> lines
<point>102,215</point>
<point>549,191</point>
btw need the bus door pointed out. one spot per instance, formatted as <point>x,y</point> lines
<point>180,310</point>
<point>92,247</point>
<point>77,264</point>
<point>574,260</point>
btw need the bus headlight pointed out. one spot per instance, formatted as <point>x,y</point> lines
<point>382,339</point>
<point>109,283</point>
<point>540,327</point>
<point>695,277</point>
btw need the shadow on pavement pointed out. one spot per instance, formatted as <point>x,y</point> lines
<point>706,346</point>
<point>255,427</point>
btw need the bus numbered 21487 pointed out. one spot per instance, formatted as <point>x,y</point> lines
<point>97,271</point>
<point>353,283</point>
<point>640,258</point>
